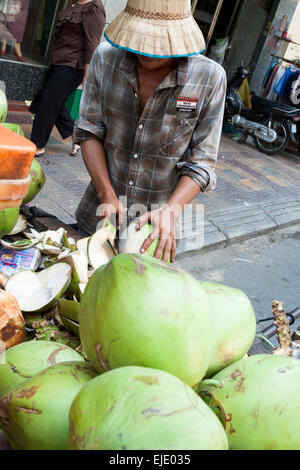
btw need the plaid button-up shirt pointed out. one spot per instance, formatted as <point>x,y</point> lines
<point>148,153</point>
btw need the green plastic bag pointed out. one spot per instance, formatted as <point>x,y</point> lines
<point>13,127</point>
<point>73,104</point>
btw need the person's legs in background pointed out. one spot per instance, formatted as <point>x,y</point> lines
<point>61,82</point>
<point>65,126</point>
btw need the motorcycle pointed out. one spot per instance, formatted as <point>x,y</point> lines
<point>273,125</point>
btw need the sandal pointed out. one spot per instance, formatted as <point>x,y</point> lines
<point>75,150</point>
<point>39,152</point>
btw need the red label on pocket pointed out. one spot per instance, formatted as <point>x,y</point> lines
<point>185,104</point>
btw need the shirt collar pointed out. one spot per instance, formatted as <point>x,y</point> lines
<point>177,77</point>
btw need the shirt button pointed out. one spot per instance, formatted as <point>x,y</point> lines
<point>130,183</point>
<point>135,155</point>
<point>141,126</point>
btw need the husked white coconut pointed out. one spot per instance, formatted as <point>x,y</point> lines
<point>79,264</point>
<point>82,245</point>
<point>36,292</point>
<point>100,251</point>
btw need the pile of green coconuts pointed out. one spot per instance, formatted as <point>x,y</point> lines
<point>162,365</point>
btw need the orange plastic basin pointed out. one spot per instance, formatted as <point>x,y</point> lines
<point>16,155</point>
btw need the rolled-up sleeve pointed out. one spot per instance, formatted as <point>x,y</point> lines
<point>90,124</point>
<point>93,25</point>
<point>200,161</point>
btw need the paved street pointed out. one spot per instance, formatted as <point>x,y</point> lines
<point>267,268</point>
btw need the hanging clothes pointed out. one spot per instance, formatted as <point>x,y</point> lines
<point>270,80</point>
<point>284,87</point>
<point>268,74</point>
<point>272,95</point>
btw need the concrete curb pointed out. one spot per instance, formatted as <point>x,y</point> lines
<point>228,227</point>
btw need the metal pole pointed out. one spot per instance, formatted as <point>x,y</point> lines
<point>51,30</point>
<point>194,4</point>
<point>292,317</point>
<point>237,4</point>
<point>213,24</point>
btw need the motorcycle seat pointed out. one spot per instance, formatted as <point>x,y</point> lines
<point>280,108</point>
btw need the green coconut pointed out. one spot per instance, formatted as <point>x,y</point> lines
<point>37,181</point>
<point>34,415</point>
<point>23,361</point>
<point>234,324</point>
<point>139,311</point>
<point>8,219</point>
<point>259,402</point>
<point>137,408</point>
<point>69,308</point>
<point>131,240</point>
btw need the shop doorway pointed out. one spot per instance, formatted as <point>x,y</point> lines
<point>26,29</point>
<point>39,29</point>
<point>247,37</point>
<point>242,21</point>
<point>206,14</point>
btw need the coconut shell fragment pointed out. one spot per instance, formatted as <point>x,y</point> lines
<point>11,321</point>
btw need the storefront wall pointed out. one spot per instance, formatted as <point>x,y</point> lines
<point>293,50</point>
<point>273,46</point>
<point>251,23</point>
<point>22,80</point>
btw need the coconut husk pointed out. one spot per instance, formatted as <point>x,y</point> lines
<point>283,331</point>
<point>12,323</point>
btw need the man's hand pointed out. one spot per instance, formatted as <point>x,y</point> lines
<point>163,221</point>
<point>112,208</point>
<point>95,160</point>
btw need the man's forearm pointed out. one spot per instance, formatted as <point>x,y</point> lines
<point>95,161</point>
<point>185,192</point>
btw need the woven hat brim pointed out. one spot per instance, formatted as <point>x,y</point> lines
<point>156,38</point>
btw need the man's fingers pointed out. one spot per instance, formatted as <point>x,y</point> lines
<point>173,250</point>
<point>105,210</point>
<point>149,240</point>
<point>142,220</point>
<point>160,248</point>
<point>167,251</point>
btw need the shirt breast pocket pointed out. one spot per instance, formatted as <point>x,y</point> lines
<point>176,133</point>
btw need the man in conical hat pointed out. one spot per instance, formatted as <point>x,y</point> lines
<point>151,120</point>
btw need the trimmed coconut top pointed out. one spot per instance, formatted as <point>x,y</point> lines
<point>35,291</point>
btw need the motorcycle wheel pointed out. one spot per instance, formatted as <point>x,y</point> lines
<point>282,141</point>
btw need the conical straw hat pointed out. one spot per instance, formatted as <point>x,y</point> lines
<point>157,28</point>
